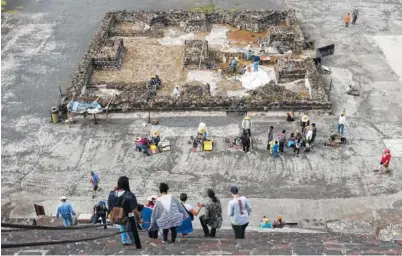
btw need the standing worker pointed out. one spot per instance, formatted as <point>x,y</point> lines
<point>355,14</point>
<point>245,140</point>
<point>341,123</point>
<point>95,183</point>
<point>246,124</point>
<point>347,20</point>
<point>256,61</point>
<point>270,137</point>
<point>66,211</point>
<point>233,65</point>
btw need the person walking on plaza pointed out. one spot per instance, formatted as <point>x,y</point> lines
<point>341,123</point>
<point>212,216</point>
<point>270,137</point>
<point>123,198</point>
<point>298,145</point>
<point>239,209</point>
<point>314,130</point>
<point>355,15</point>
<point>385,160</point>
<point>246,124</point>
<point>168,214</point>
<point>65,210</point>
<point>347,20</point>
<point>95,183</point>
<point>100,211</point>
<point>282,140</point>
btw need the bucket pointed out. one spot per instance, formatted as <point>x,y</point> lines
<point>54,114</point>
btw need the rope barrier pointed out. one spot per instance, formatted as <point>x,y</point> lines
<point>21,226</point>
<point>5,246</point>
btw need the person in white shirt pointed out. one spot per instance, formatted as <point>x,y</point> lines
<point>341,123</point>
<point>176,91</point>
<point>239,209</point>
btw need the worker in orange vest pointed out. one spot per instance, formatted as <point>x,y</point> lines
<point>347,20</point>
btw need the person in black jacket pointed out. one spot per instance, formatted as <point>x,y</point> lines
<point>245,140</point>
<point>124,198</point>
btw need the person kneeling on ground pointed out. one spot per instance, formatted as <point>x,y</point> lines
<point>187,227</point>
<point>212,216</point>
<point>239,209</point>
<point>265,223</point>
<point>142,145</point>
<point>352,91</point>
<point>290,117</point>
<point>100,211</point>
<point>385,159</point>
<point>279,223</point>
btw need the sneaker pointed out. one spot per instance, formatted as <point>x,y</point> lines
<point>248,152</point>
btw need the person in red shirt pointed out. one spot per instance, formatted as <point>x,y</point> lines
<point>385,159</point>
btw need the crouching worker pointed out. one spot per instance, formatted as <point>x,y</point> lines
<point>279,223</point>
<point>265,223</point>
<point>99,212</point>
<point>202,132</point>
<point>141,144</point>
<point>155,138</point>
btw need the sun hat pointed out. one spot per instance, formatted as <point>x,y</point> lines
<point>304,118</point>
<point>63,198</point>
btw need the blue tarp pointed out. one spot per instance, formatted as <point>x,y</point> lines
<point>186,227</point>
<point>81,107</point>
<point>146,217</point>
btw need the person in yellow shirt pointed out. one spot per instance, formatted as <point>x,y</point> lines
<point>347,20</point>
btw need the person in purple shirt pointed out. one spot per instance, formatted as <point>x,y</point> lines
<point>65,210</point>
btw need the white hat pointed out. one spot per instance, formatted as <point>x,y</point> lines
<point>151,198</point>
<point>63,198</point>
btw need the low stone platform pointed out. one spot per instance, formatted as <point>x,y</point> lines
<point>195,243</point>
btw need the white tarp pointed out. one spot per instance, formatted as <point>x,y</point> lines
<point>252,80</point>
<point>173,38</point>
<point>217,35</point>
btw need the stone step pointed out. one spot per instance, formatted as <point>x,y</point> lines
<point>285,243</point>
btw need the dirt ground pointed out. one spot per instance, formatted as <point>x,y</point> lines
<point>143,59</point>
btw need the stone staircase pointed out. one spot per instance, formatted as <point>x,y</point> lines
<point>283,241</point>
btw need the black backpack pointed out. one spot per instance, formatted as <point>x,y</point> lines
<point>100,209</point>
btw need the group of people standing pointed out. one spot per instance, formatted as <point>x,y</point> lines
<point>355,15</point>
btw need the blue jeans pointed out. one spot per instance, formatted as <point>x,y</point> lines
<point>340,128</point>
<point>256,66</point>
<point>126,237</point>
<point>68,222</point>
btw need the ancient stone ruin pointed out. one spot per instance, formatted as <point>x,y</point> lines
<point>131,47</point>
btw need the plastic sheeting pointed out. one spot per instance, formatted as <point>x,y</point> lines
<point>81,107</point>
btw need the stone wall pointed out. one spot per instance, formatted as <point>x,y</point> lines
<point>194,52</point>
<point>110,56</point>
<point>135,96</point>
<point>288,70</point>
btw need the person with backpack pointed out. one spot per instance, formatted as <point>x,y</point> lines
<point>245,140</point>
<point>95,183</point>
<point>186,227</point>
<point>239,209</point>
<point>122,205</point>
<point>100,211</point>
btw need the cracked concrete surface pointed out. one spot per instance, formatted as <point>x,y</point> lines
<point>40,161</point>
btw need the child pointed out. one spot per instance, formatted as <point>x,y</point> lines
<point>187,227</point>
<point>275,149</point>
<point>291,141</point>
<point>146,216</point>
<point>265,223</point>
